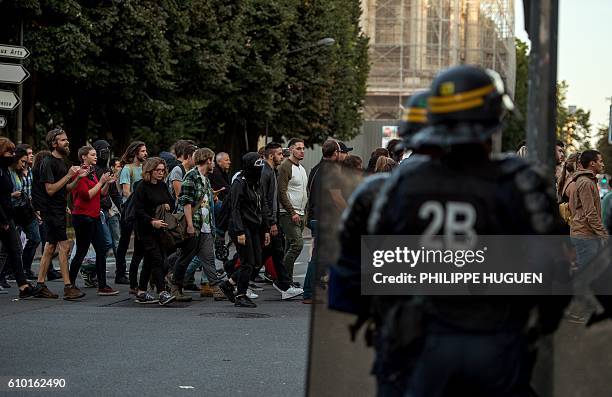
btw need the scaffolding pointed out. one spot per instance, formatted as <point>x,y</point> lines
<point>412,40</point>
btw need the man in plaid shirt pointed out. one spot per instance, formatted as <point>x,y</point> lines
<point>196,201</point>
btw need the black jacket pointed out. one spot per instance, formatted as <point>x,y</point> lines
<point>101,168</point>
<point>248,207</point>
<point>6,188</point>
<point>269,185</point>
<point>219,179</point>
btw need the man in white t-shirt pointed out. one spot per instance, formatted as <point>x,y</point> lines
<point>293,197</point>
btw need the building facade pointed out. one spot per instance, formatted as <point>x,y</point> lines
<point>412,40</point>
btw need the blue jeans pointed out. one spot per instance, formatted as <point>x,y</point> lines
<point>311,270</point>
<point>32,233</point>
<point>586,249</point>
<point>115,230</point>
<point>195,264</point>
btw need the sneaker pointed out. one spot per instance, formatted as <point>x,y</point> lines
<point>218,295</point>
<point>228,290</point>
<point>122,280</point>
<point>3,291</point>
<point>28,291</point>
<point>146,298</point>
<point>45,293</point>
<point>191,288</point>
<point>251,295</point>
<point>255,287</point>
<point>107,291</point>
<point>72,292</point>
<point>268,279</point>
<point>177,293</point>
<point>295,284</point>
<point>165,297</point>
<point>206,291</point>
<point>221,273</point>
<point>291,292</point>
<point>4,283</point>
<point>89,279</point>
<point>244,301</point>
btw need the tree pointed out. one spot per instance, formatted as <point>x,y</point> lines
<point>605,148</point>
<point>218,71</point>
<point>515,130</point>
<point>573,129</point>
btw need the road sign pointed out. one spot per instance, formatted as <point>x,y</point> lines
<point>2,121</point>
<point>8,100</point>
<point>11,51</point>
<point>13,73</point>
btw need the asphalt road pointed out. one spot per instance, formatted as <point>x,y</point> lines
<point>105,346</point>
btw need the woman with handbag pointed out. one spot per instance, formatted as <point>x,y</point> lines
<point>149,195</point>
<point>25,218</point>
<point>10,243</point>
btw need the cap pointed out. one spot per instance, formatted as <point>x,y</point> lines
<point>343,147</point>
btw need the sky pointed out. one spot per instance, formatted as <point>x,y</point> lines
<point>584,53</point>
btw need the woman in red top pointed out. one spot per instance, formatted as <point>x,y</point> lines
<point>86,219</point>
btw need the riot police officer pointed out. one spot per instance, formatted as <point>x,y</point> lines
<point>465,345</point>
<point>344,285</point>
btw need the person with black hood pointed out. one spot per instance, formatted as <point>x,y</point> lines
<point>248,223</point>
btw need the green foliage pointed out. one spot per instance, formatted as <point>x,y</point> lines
<point>515,130</point>
<point>604,148</point>
<point>218,71</point>
<point>572,129</point>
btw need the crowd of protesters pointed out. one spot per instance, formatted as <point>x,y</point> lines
<point>110,202</point>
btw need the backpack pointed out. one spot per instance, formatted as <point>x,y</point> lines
<point>128,213</point>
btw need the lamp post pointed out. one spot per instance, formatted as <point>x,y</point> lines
<point>324,42</point>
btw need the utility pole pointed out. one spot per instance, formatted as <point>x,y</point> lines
<point>543,19</point>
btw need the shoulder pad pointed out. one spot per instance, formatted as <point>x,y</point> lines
<point>408,166</point>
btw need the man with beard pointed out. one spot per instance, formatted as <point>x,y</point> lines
<point>50,191</point>
<point>133,158</point>
<point>273,156</point>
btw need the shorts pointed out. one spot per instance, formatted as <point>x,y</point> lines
<point>55,223</point>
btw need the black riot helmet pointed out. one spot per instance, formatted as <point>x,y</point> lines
<point>466,105</point>
<point>414,116</point>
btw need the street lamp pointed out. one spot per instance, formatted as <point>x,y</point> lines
<point>324,42</point>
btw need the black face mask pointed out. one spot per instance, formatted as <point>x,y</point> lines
<point>6,161</point>
<point>253,166</point>
<point>104,156</point>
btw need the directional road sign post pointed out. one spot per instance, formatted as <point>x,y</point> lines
<point>8,100</point>
<point>13,73</point>
<point>15,52</point>
<point>2,121</point>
